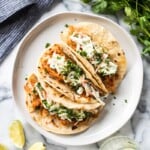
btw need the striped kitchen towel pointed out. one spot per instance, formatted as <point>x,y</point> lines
<point>16,18</point>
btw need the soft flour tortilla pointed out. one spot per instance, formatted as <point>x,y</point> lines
<point>52,122</point>
<point>57,97</point>
<point>105,39</point>
<point>45,73</point>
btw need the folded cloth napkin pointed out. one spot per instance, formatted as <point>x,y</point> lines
<point>16,18</point>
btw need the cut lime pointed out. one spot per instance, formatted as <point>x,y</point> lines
<point>37,146</point>
<point>3,147</point>
<point>16,133</point>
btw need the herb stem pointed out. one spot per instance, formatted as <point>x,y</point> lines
<point>137,13</point>
<point>146,32</point>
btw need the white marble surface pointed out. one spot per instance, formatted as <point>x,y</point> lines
<point>138,127</point>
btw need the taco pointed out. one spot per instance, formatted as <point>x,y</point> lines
<point>53,111</point>
<point>98,51</point>
<point>59,68</point>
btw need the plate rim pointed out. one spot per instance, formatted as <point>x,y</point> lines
<point>39,129</point>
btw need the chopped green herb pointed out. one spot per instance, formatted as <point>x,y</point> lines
<point>102,73</point>
<point>107,60</point>
<point>97,57</point>
<point>83,53</point>
<point>39,86</point>
<point>66,25</point>
<point>69,67</point>
<point>34,91</point>
<point>126,101</point>
<point>46,104</point>
<point>26,78</point>
<point>66,113</point>
<point>47,45</point>
<point>58,57</point>
<point>71,72</point>
<point>88,114</point>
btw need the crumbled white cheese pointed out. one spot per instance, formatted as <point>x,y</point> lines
<point>81,115</point>
<point>83,41</point>
<point>64,116</point>
<point>71,78</point>
<point>105,56</point>
<point>57,62</point>
<point>80,90</point>
<point>98,48</point>
<point>108,68</point>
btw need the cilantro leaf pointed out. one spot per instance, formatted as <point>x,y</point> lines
<point>136,14</point>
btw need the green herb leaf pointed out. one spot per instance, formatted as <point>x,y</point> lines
<point>47,45</point>
<point>83,53</point>
<point>136,14</point>
<point>39,86</point>
<point>45,103</point>
<point>128,11</point>
<point>126,101</point>
<point>58,57</point>
<point>69,67</point>
<point>34,91</point>
<point>99,6</point>
<point>66,25</point>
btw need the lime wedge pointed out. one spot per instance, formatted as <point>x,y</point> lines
<point>3,147</point>
<point>37,146</point>
<point>16,133</point>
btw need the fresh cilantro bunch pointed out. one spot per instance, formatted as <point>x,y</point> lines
<point>136,14</point>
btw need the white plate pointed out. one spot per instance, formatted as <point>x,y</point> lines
<point>117,112</point>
